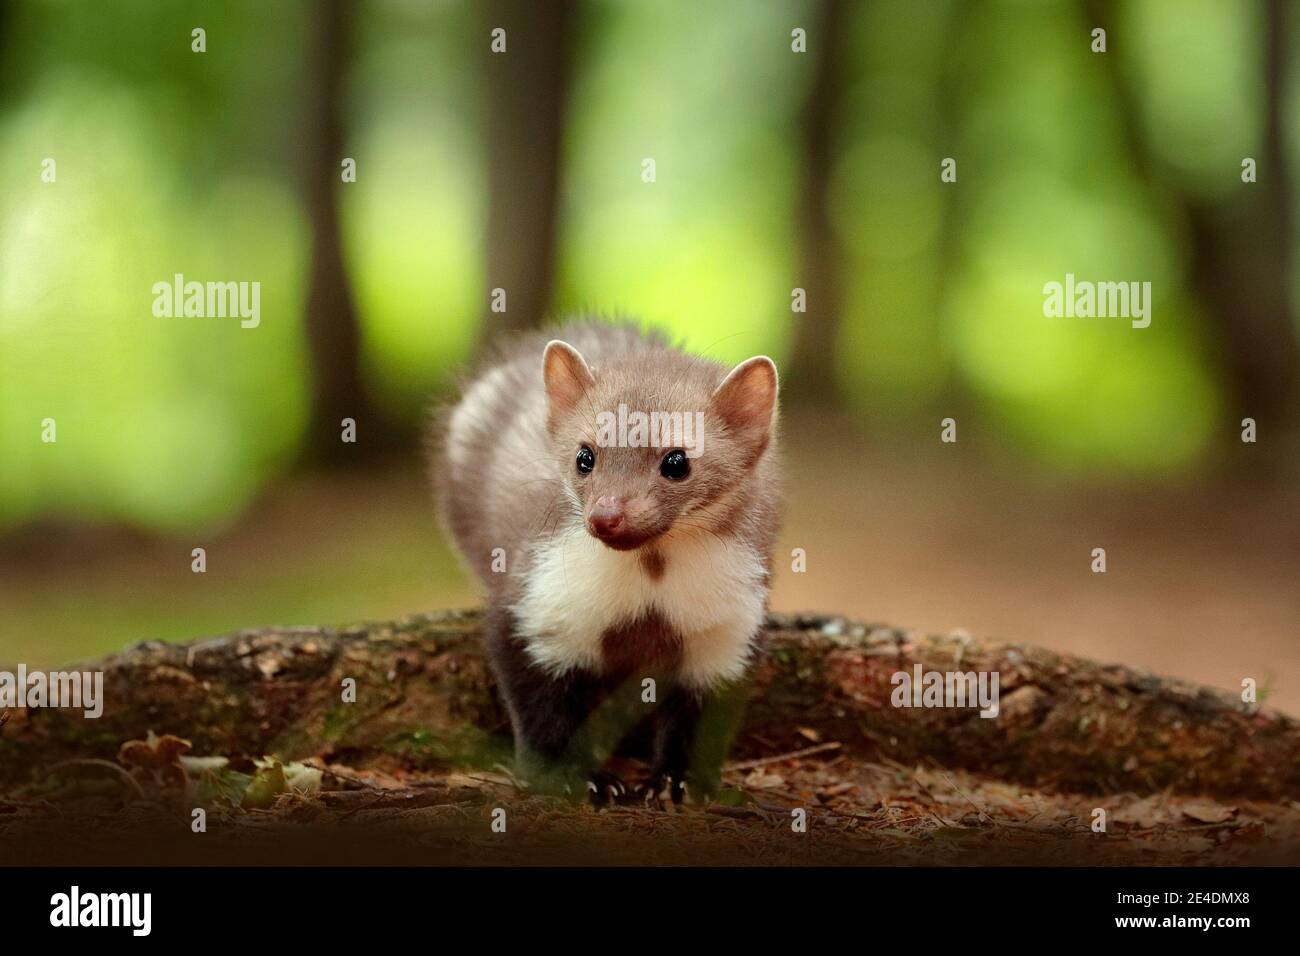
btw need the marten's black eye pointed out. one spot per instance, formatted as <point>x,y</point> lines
<point>586,460</point>
<point>675,465</point>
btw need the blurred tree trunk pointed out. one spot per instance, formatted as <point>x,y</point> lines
<point>1242,255</point>
<point>1263,352</point>
<point>337,389</point>
<point>953,85</point>
<point>1241,250</point>
<point>527,87</point>
<point>809,379</point>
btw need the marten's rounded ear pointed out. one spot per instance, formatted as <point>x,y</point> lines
<point>567,378</point>
<point>746,400</point>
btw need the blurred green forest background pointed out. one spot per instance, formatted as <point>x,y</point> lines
<point>775,170</point>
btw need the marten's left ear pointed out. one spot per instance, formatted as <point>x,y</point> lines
<point>567,378</point>
<point>746,401</point>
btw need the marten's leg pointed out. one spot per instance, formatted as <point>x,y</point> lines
<point>550,716</point>
<point>676,725</point>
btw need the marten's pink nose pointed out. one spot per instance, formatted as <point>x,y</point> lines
<point>606,517</point>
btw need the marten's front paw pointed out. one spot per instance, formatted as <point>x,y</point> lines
<point>659,786</point>
<point>677,787</point>
<point>604,788</point>
<point>598,787</point>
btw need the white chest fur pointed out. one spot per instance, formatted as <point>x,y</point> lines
<point>711,592</point>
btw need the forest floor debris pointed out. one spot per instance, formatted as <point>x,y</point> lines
<point>853,811</point>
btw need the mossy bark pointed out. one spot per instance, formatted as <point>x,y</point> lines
<point>424,696</point>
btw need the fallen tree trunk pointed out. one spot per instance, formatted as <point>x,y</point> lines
<point>424,696</point>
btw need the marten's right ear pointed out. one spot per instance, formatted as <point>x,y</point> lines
<point>567,379</point>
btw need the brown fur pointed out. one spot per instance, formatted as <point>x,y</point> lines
<point>646,645</point>
<point>653,562</point>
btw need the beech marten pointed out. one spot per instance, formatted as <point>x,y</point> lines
<point>619,499</point>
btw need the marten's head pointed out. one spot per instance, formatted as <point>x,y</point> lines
<point>656,441</point>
